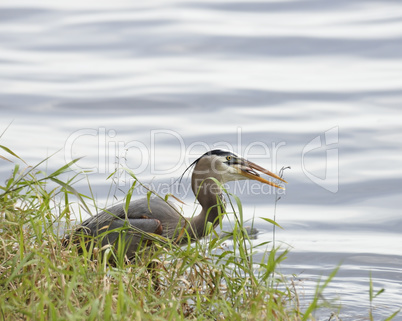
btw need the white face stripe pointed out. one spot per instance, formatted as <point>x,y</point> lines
<point>228,172</point>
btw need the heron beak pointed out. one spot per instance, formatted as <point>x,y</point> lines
<point>248,169</point>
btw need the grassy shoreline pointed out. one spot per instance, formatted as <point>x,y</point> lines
<point>42,280</point>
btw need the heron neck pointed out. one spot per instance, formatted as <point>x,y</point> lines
<point>209,195</point>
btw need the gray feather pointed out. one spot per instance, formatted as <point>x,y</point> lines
<point>157,216</point>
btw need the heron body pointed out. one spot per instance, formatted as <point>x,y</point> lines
<point>160,217</point>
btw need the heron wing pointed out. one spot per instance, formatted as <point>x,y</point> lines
<point>147,215</point>
<point>146,224</point>
<point>132,235</point>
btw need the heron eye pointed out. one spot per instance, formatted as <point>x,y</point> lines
<point>229,158</point>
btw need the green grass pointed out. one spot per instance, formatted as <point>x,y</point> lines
<point>43,280</point>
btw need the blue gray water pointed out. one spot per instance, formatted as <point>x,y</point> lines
<point>315,85</point>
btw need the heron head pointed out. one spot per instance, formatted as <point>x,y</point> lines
<point>228,166</point>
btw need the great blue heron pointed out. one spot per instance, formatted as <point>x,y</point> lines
<point>157,216</point>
